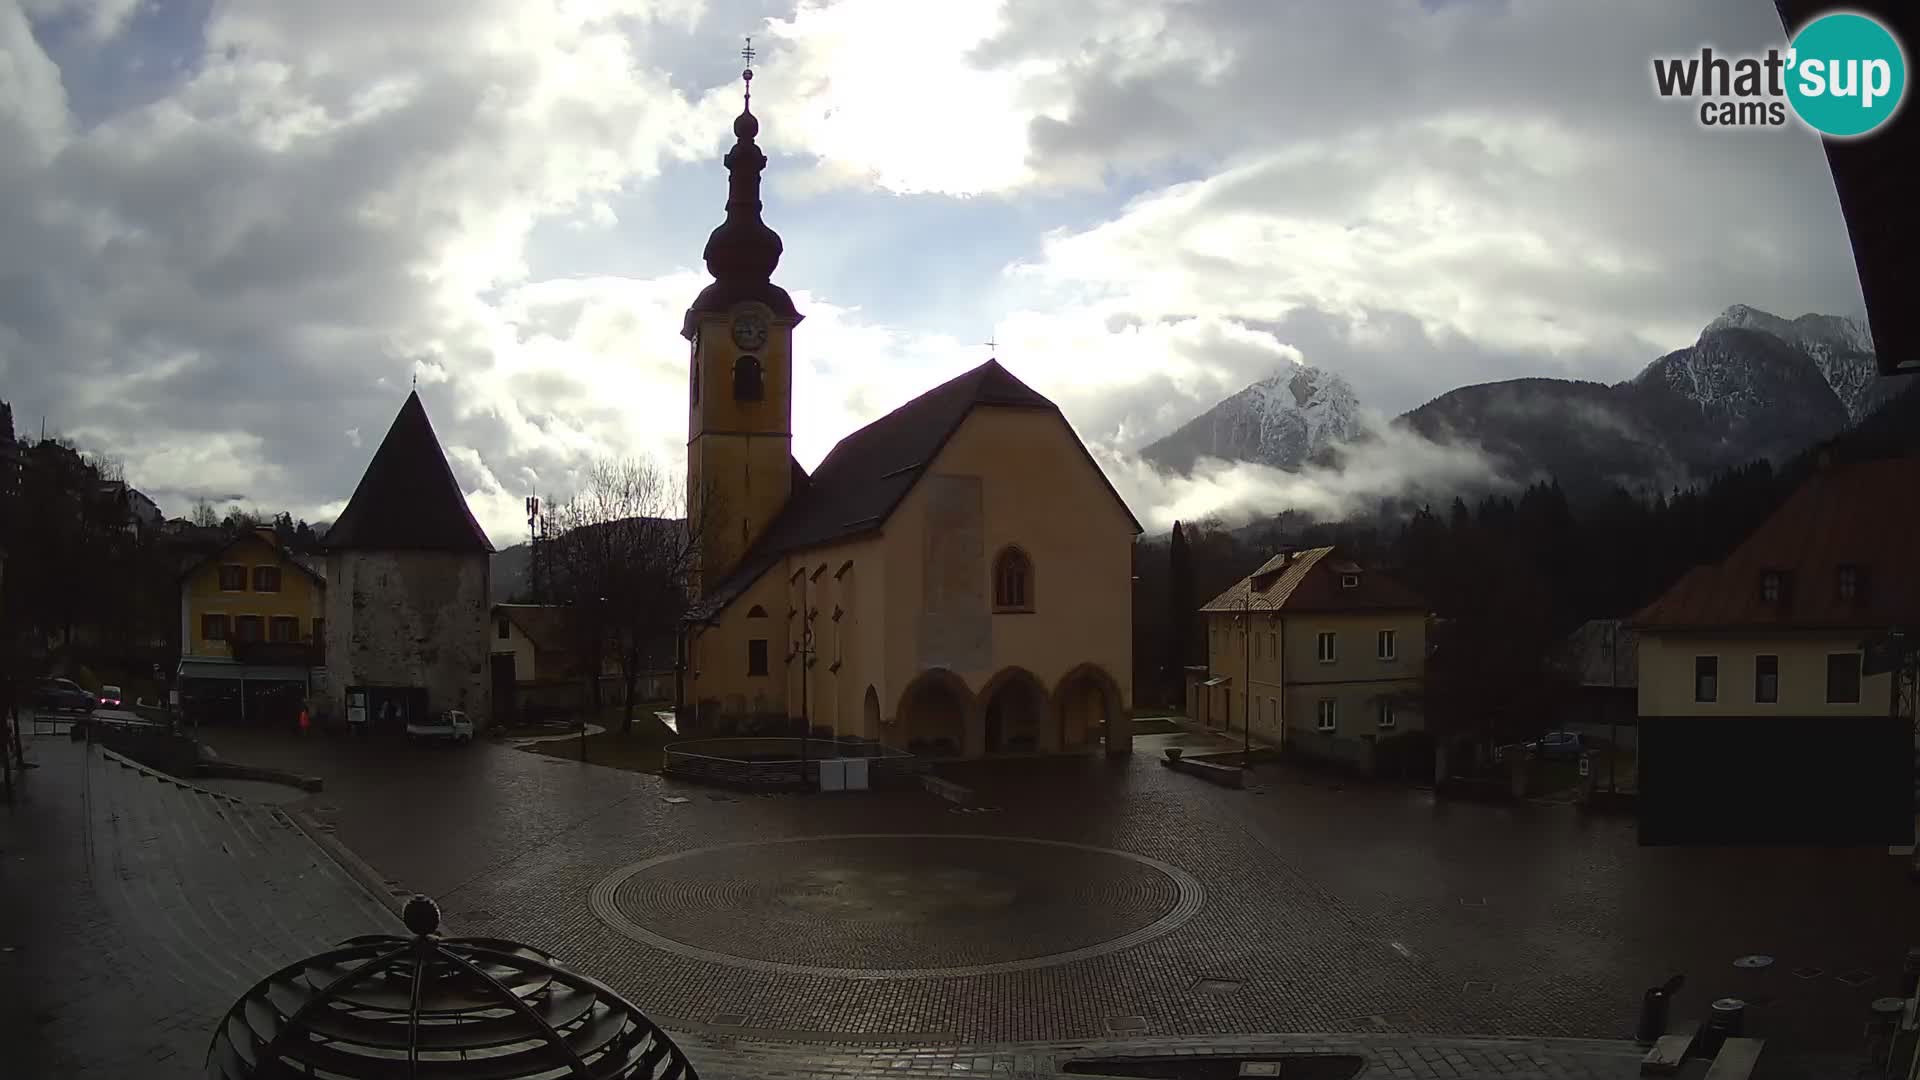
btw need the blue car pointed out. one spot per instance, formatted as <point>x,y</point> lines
<point>1557,744</point>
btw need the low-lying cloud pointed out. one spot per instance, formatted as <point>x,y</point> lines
<point>1388,462</point>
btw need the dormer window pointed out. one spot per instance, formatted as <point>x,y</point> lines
<point>1849,583</point>
<point>1770,581</point>
<point>747,382</point>
<point>1349,581</point>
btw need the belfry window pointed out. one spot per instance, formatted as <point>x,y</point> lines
<point>747,381</point>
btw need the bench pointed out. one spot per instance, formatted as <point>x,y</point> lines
<point>947,789</point>
<point>1225,775</point>
<point>1736,1059</point>
<point>1666,1056</point>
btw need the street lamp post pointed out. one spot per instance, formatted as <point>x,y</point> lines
<point>803,651</point>
<point>1246,672</point>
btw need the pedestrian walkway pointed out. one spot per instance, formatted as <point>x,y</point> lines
<point>1386,1057</point>
<point>529,740</point>
<point>137,908</point>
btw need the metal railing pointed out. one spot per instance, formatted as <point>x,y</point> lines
<point>770,761</point>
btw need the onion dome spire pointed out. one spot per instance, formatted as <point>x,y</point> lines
<point>743,252</point>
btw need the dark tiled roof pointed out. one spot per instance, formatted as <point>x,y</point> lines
<point>1864,515</point>
<point>1310,581</point>
<point>867,474</point>
<point>551,627</point>
<point>408,499</point>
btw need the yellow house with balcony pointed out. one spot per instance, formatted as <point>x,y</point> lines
<point>251,627</point>
<point>1325,656</point>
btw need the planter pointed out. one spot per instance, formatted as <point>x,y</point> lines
<point>1173,753</point>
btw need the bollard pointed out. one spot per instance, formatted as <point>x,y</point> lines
<point>1654,1006</point>
<point>1883,1027</point>
<point>1726,1021</point>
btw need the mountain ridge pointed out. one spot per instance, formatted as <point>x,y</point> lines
<point>1752,385</point>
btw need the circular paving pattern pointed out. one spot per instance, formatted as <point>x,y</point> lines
<point>896,906</point>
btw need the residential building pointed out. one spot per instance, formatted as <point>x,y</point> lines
<point>953,579</point>
<point>1324,655</point>
<point>1774,661</point>
<point>538,663</point>
<point>408,627</point>
<point>252,629</point>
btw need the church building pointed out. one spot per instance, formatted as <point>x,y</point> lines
<point>953,580</point>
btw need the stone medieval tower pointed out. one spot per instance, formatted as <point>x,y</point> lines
<point>407,588</point>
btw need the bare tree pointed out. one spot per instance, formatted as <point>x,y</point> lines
<point>203,514</point>
<point>622,556</point>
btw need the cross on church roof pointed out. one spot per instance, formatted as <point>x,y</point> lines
<point>746,73</point>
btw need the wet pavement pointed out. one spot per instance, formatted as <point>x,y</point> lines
<point>1321,906</point>
<point>134,910</point>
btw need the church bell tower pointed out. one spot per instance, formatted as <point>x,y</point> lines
<point>740,369</point>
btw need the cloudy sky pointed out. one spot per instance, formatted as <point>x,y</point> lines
<point>233,231</point>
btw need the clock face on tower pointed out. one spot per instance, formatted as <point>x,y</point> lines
<point>749,330</point>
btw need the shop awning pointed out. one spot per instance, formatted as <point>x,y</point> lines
<point>214,669</point>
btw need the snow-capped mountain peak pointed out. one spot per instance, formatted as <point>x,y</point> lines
<point>1283,420</point>
<point>1841,348</point>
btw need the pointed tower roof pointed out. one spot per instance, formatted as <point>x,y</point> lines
<point>743,251</point>
<point>408,499</point>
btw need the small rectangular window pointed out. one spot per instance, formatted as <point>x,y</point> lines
<point>1328,715</point>
<point>246,628</point>
<point>319,631</point>
<point>1386,645</point>
<point>1386,714</point>
<point>500,630</point>
<point>1325,647</point>
<point>757,656</point>
<point>1846,583</point>
<point>1766,679</point>
<point>1706,678</point>
<point>1349,581</point>
<point>1273,644</point>
<point>1843,678</point>
<point>213,627</point>
<point>283,628</point>
<point>266,579</point>
<point>1770,587</point>
<point>233,578</point>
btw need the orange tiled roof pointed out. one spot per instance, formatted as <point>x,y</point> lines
<point>1309,581</point>
<point>1865,515</point>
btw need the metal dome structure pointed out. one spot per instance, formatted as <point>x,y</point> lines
<point>427,1006</point>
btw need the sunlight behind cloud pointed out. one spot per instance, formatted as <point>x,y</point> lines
<point>888,93</point>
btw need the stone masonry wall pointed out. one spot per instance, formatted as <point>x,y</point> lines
<point>409,618</point>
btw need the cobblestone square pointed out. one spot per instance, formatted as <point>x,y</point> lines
<point>1089,908</point>
<point>1314,906</point>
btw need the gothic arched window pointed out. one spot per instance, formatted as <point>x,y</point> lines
<point>747,379</point>
<point>1012,581</point>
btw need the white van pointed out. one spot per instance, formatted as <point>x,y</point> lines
<point>452,725</point>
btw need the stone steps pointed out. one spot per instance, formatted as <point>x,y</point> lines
<point>216,892</point>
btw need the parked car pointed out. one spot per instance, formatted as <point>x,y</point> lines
<point>110,697</point>
<point>452,725</point>
<point>64,694</point>
<point>1558,744</point>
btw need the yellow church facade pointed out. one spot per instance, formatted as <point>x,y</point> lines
<point>953,580</point>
